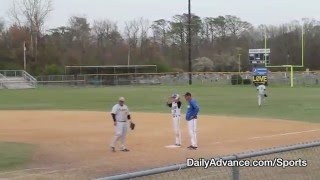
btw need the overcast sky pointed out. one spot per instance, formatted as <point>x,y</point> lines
<point>254,11</point>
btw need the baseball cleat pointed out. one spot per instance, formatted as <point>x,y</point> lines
<point>192,147</point>
<point>125,150</point>
<point>113,149</point>
<point>179,145</point>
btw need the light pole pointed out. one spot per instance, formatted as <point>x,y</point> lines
<point>189,42</point>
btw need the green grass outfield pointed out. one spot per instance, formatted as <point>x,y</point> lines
<point>300,103</point>
<point>14,155</point>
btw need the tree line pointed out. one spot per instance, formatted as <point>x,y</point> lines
<point>162,42</point>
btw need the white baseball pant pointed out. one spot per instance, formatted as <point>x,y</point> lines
<point>176,128</point>
<point>192,127</point>
<point>120,134</point>
<point>261,99</point>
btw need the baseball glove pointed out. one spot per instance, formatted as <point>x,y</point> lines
<point>265,95</point>
<point>132,125</point>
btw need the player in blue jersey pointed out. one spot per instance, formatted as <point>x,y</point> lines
<point>192,117</point>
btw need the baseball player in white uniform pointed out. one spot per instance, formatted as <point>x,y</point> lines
<point>121,116</point>
<point>261,94</point>
<point>175,104</point>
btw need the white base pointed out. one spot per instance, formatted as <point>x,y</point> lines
<point>172,146</point>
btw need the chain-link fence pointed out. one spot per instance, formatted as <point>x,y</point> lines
<point>301,161</point>
<point>61,80</point>
<point>200,78</point>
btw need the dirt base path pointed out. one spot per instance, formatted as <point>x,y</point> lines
<point>74,144</point>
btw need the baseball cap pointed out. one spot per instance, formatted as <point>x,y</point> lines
<point>175,96</point>
<point>122,99</point>
<point>187,94</point>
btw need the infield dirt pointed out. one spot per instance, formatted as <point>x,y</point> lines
<point>75,144</point>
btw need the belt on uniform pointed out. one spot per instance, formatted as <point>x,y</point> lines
<point>121,121</point>
<point>176,115</point>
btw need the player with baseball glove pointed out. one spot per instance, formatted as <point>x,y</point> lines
<point>262,94</point>
<point>175,104</point>
<point>132,125</point>
<point>121,116</point>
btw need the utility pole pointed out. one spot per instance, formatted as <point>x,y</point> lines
<point>24,56</point>
<point>239,59</point>
<point>189,42</point>
<point>288,57</point>
<point>129,55</point>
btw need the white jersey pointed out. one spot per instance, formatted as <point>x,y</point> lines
<point>175,109</point>
<point>121,112</point>
<point>261,89</point>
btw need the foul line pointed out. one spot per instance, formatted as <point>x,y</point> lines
<point>22,170</point>
<point>285,134</point>
<point>268,136</point>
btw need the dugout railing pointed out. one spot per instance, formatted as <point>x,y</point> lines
<point>308,152</point>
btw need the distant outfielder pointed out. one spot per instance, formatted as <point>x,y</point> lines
<point>121,116</point>
<point>191,117</point>
<point>261,94</point>
<point>175,104</point>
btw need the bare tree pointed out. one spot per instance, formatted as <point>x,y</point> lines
<point>131,31</point>
<point>144,26</point>
<point>103,30</point>
<point>1,24</point>
<point>15,14</point>
<point>33,14</point>
<point>80,30</point>
<point>144,30</point>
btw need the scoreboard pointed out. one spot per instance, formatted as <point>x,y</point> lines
<point>259,56</point>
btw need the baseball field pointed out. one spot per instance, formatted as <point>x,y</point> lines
<point>65,132</point>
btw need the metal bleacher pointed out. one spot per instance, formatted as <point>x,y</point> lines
<point>16,79</point>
